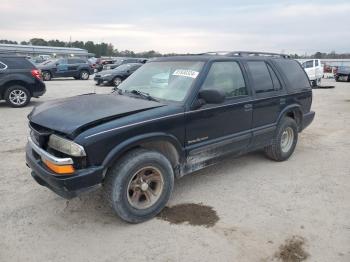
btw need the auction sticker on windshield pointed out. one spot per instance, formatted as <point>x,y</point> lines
<point>186,73</point>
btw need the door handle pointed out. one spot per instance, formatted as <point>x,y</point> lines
<point>248,107</point>
<point>282,101</point>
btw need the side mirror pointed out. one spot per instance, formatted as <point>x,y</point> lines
<point>212,96</point>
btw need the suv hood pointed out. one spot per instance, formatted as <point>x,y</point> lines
<point>75,114</point>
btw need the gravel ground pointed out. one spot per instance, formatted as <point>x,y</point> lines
<point>260,203</point>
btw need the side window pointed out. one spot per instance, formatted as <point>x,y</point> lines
<point>276,82</point>
<point>72,61</point>
<point>316,62</point>
<point>308,64</point>
<point>62,61</point>
<point>228,77</point>
<point>261,77</point>
<point>2,66</point>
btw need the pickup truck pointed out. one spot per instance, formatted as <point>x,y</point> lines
<point>314,70</point>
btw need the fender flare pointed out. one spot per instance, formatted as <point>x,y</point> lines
<point>292,107</point>
<point>123,147</point>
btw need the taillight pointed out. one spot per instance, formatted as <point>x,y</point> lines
<point>36,73</point>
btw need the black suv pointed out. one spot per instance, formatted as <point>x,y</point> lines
<point>137,140</point>
<point>19,80</point>
<point>116,76</point>
<point>66,67</point>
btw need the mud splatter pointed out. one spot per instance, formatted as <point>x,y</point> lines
<point>292,250</point>
<point>193,214</point>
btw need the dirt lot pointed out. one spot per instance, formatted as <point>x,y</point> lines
<point>259,205</point>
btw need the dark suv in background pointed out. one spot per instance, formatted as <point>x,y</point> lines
<point>66,67</point>
<point>19,80</point>
<point>137,140</point>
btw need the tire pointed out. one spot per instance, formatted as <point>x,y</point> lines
<point>119,182</point>
<point>279,150</point>
<point>46,75</point>
<point>117,81</point>
<point>84,75</point>
<point>17,96</point>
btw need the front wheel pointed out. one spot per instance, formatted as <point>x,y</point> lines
<point>284,141</point>
<point>17,96</point>
<point>84,75</point>
<point>117,81</point>
<point>46,76</point>
<point>139,185</point>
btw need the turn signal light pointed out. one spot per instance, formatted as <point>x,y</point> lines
<point>66,169</point>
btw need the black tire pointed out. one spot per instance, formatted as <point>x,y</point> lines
<point>46,75</point>
<point>84,75</point>
<point>117,81</point>
<point>118,180</point>
<point>275,151</point>
<point>17,96</point>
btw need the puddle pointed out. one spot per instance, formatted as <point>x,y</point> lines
<point>292,250</point>
<point>193,214</point>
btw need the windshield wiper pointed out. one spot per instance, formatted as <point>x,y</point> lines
<point>143,94</point>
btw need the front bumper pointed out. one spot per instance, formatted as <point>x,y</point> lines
<point>67,186</point>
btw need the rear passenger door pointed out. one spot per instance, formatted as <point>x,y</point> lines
<point>73,66</point>
<point>214,130</point>
<point>269,100</point>
<point>61,67</point>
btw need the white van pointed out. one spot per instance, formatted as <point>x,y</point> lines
<point>314,70</point>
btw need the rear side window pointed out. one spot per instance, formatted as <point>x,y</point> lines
<point>17,63</point>
<point>316,62</point>
<point>276,82</point>
<point>294,73</point>
<point>261,76</point>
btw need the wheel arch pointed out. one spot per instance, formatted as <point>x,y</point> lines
<point>10,83</point>
<point>293,111</point>
<point>166,144</point>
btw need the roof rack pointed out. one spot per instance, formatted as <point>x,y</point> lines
<point>245,53</point>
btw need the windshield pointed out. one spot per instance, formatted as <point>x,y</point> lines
<point>164,80</point>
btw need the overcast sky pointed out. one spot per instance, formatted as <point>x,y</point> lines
<point>184,26</point>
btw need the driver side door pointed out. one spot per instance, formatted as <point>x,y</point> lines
<point>62,67</point>
<point>214,130</point>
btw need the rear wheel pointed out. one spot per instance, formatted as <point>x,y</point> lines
<point>84,75</point>
<point>139,185</point>
<point>284,141</point>
<point>46,76</point>
<point>17,96</point>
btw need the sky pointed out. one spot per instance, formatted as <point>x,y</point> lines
<point>180,26</point>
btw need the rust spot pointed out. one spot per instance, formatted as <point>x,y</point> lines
<point>193,214</point>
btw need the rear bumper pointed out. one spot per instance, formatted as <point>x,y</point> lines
<point>307,119</point>
<point>67,186</point>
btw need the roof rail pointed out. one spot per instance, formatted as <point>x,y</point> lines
<point>245,53</point>
<point>250,53</point>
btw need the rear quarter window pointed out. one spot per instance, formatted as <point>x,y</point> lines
<point>294,73</point>
<point>17,63</point>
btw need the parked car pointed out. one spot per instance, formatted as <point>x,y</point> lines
<point>116,76</point>
<point>342,74</point>
<point>314,70</point>
<point>20,80</point>
<point>66,67</point>
<point>124,61</point>
<point>137,140</point>
<point>102,62</point>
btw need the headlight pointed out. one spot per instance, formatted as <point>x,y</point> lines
<point>106,75</point>
<point>66,146</point>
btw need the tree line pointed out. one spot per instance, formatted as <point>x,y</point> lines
<point>107,49</point>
